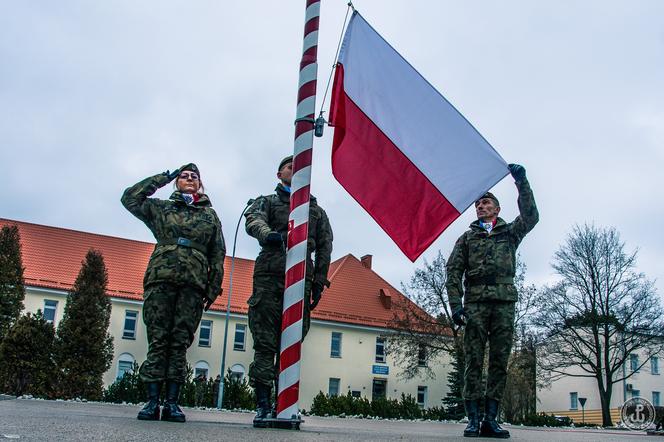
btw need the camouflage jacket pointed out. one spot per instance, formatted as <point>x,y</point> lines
<point>487,261</point>
<point>270,213</point>
<point>200,264</point>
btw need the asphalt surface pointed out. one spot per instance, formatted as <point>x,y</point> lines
<point>30,419</point>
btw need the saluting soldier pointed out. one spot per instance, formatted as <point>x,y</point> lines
<point>182,279</point>
<point>484,258</point>
<point>267,221</point>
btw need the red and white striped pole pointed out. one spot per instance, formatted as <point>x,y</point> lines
<point>298,221</point>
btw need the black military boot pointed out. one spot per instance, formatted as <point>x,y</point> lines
<point>263,407</point>
<point>150,411</point>
<point>171,412</point>
<point>490,427</point>
<point>473,413</point>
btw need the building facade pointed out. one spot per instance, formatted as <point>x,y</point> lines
<point>344,351</point>
<point>578,397</point>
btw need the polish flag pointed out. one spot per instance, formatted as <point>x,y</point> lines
<point>411,160</point>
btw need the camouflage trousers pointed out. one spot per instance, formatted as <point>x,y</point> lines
<point>265,311</point>
<point>491,321</point>
<point>171,314</point>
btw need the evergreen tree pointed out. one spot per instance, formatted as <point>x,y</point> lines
<point>453,400</point>
<point>27,357</point>
<point>12,291</point>
<point>84,348</point>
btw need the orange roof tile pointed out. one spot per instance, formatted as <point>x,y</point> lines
<point>52,258</point>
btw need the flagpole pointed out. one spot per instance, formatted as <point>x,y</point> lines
<point>298,221</point>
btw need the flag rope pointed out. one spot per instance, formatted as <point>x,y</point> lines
<point>336,55</point>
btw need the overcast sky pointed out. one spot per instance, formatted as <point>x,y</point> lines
<point>95,96</point>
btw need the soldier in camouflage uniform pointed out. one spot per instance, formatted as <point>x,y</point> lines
<point>267,221</point>
<point>485,258</point>
<point>182,279</point>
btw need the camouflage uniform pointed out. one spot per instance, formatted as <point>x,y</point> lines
<point>186,266</point>
<point>487,262</point>
<point>270,214</point>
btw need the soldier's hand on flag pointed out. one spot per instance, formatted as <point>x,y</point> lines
<point>518,171</point>
<point>459,316</point>
<point>316,293</point>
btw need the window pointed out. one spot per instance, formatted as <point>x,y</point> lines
<point>335,345</point>
<point>129,331</point>
<point>378,389</point>
<point>237,372</point>
<point>655,399</point>
<point>574,400</point>
<point>333,389</point>
<point>125,364</point>
<point>380,350</point>
<point>204,336</point>
<point>201,367</point>
<point>356,393</point>
<point>654,365</point>
<point>240,334</point>
<point>422,395</point>
<point>49,310</point>
<point>636,393</point>
<point>422,356</point>
<point>634,362</point>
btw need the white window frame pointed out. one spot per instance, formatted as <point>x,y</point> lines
<point>332,381</point>
<point>424,390</point>
<point>238,371</point>
<point>421,356</point>
<point>634,362</point>
<point>201,342</point>
<point>380,356</point>
<point>132,334</point>
<point>124,358</point>
<point>202,366</point>
<point>240,346</point>
<point>332,336</point>
<point>654,365</point>
<point>53,308</point>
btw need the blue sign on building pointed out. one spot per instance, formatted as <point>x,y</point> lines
<point>380,369</point>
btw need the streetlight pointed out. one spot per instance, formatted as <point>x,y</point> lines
<point>220,399</point>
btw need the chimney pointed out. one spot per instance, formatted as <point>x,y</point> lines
<point>366,261</point>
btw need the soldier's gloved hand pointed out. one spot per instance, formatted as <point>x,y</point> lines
<point>207,303</point>
<point>459,316</point>
<point>518,171</point>
<point>316,293</point>
<point>274,238</point>
<point>172,175</point>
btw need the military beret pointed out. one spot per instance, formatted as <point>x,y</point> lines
<point>191,167</point>
<point>288,159</point>
<point>490,196</point>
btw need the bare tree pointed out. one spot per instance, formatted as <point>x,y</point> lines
<point>519,398</point>
<point>423,327</point>
<point>600,312</point>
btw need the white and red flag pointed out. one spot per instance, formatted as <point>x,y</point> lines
<point>400,148</point>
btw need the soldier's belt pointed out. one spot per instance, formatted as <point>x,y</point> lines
<point>184,242</point>
<point>490,280</point>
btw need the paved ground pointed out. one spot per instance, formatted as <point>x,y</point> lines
<point>26,419</point>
